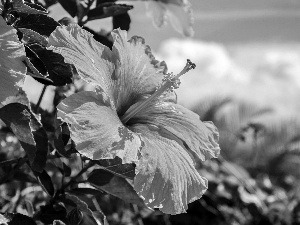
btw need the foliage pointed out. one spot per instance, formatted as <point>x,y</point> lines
<point>148,151</point>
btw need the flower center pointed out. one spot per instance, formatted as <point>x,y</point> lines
<point>170,82</point>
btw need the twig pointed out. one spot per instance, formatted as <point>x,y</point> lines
<point>40,99</point>
<point>12,161</point>
<point>73,179</point>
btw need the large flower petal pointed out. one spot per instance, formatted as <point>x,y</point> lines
<point>90,57</point>
<point>125,73</point>
<point>200,137</point>
<point>135,74</point>
<point>12,69</point>
<point>166,177</point>
<point>96,129</point>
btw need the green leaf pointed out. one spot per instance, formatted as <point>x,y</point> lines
<point>30,37</point>
<point>67,170</point>
<point>42,24</point>
<point>114,185</point>
<point>75,216</point>
<point>23,176</point>
<point>21,7</point>
<point>70,6</point>
<point>46,182</point>
<point>61,138</point>
<point>29,132</point>
<point>116,167</point>
<point>51,212</point>
<point>58,222</point>
<point>100,219</point>
<point>16,219</point>
<point>59,72</point>
<point>122,21</point>
<point>12,69</point>
<point>85,191</point>
<point>108,9</point>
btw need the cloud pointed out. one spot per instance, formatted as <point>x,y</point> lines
<point>266,74</point>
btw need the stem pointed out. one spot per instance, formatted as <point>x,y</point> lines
<point>40,99</point>
<point>12,161</point>
<point>73,180</point>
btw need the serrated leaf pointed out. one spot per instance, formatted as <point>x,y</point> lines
<point>46,182</point>
<point>116,167</point>
<point>59,72</point>
<point>29,132</point>
<point>30,37</point>
<point>42,24</point>
<point>107,10</point>
<point>17,219</point>
<point>114,185</point>
<point>21,7</point>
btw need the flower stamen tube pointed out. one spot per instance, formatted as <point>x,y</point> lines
<point>170,82</point>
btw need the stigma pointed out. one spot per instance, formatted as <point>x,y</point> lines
<point>170,82</point>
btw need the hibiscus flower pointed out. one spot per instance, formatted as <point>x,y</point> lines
<point>133,115</point>
<point>12,68</point>
<point>179,13</point>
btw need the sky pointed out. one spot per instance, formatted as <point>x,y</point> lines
<point>245,49</point>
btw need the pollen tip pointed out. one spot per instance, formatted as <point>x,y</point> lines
<point>192,65</point>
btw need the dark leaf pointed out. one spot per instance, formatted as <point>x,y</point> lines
<point>100,177</point>
<point>29,131</point>
<point>67,170</point>
<point>85,191</point>
<point>31,37</point>
<point>70,6</point>
<point>46,182</point>
<point>35,61</point>
<point>99,2</point>
<point>100,38</point>
<point>58,222</point>
<point>21,176</point>
<point>42,24</point>
<point>107,10</point>
<point>83,207</point>
<point>61,138</point>
<point>75,216</point>
<point>21,7</point>
<point>66,21</point>
<point>36,6</point>
<point>122,21</point>
<point>50,213</point>
<point>59,72</point>
<point>116,167</point>
<point>114,185</point>
<point>17,219</point>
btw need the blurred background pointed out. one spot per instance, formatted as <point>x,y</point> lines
<point>247,81</point>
